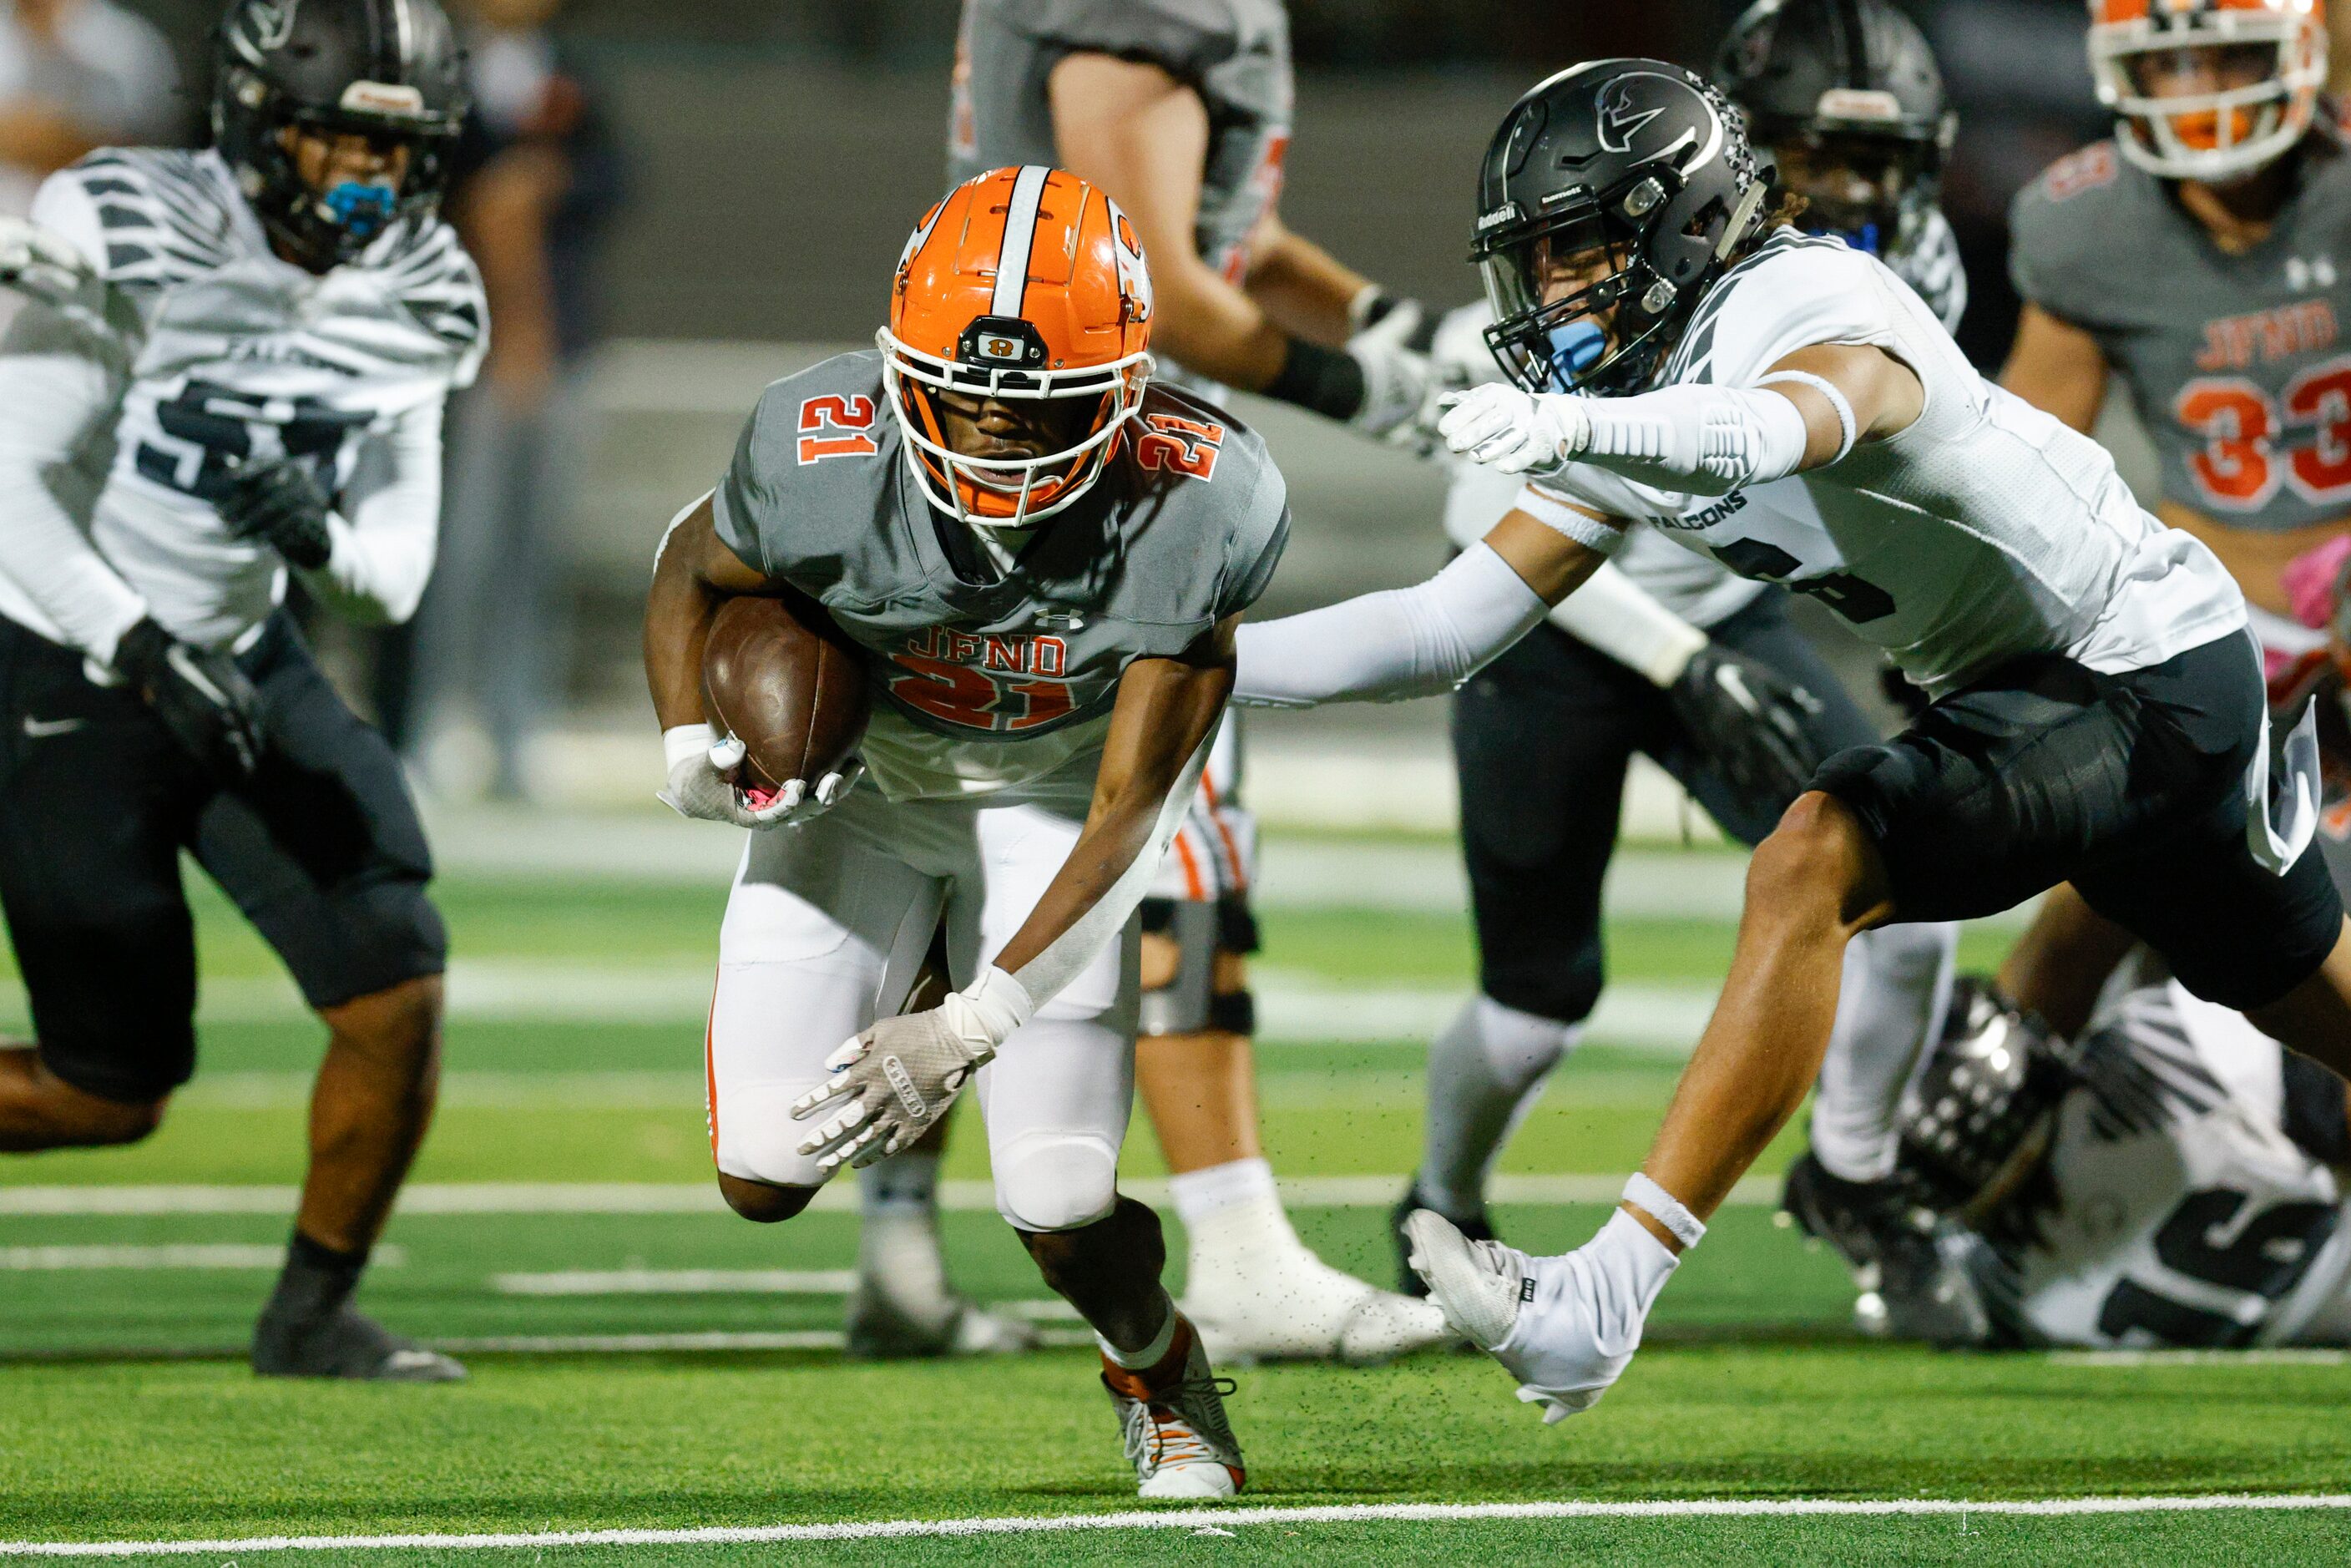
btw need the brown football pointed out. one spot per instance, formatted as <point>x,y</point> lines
<point>781,677</point>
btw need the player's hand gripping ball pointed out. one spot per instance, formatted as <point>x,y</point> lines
<point>787,690</point>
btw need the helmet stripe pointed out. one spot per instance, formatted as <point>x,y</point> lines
<point>1020,236</point>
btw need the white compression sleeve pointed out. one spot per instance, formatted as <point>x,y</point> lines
<point>383,553</point>
<point>1703,440</point>
<point>1620,618</point>
<point>1415,641</point>
<point>1897,986</point>
<point>57,381</point>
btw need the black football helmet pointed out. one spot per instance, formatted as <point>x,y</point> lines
<point>1846,95</point>
<point>1637,171</point>
<point>1982,1107</point>
<point>384,68</point>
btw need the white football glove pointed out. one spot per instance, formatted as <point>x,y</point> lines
<point>892,1082</point>
<point>702,768</point>
<point>1402,384</point>
<point>1515,432</point>
<point>40,262</point>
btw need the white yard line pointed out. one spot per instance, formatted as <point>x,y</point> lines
<point>22,1259</point>
<point>1194,1518</point>
<point>691,1343</point>
<point>699,1198</point>
<point>679,1282</point>
<point>2281,1356</point>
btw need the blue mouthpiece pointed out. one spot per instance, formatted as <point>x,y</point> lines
<point>1575,349</point>
<point>364,209</point>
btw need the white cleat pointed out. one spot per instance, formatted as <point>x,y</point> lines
<point>1172,1420</point>
<point>1290,1305</point>
<point>1565,1327</point>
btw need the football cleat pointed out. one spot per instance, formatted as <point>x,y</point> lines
<point>345,1345</point>
<point>1290,1305</point>
<point>1408,1282</point>
<point>1477,1282</point>
<point>1172,1417</point>
<point>1907,1287</point>
<point>885,1326</point>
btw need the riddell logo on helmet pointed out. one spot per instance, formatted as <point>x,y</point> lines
<point>994,346</point>
<point>383,98</point>
<point>1872,105</point>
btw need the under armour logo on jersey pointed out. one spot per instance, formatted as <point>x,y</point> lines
<point>2314,272</point>
<point>1621,119</point>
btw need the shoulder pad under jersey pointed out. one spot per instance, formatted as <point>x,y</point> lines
<point>144,217</point>
<point>2063,229</point>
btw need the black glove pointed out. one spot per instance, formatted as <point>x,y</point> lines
<point>203,699</point>
<point>281,504</point>
<point>1751,720</point>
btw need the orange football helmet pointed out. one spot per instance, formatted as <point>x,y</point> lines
<point>1024,284</point>
<point>2264,61</point>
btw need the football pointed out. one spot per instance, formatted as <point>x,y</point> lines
<point>779,676</point>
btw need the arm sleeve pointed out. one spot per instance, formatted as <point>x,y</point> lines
<point>59,382</point>
<point>1617,616</point>
<point>383,549</point>
<point>1406,643</point>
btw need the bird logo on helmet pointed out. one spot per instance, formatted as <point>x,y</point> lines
<point>1025,285</point>
<point>2208,90</point>
<point>387,69</point>
<point>1611,196</point>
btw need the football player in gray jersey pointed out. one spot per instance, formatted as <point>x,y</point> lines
<point>2230,176</point>
<point>1043,557</point>
<point>232,372</point>
<point>1181,111</point>
<point>1786,404</point>
<point>1673,654</point>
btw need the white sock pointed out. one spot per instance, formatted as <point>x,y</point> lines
<point>898,1228</point>
<point>1897,985</point>
<point>1230,1212</point>
<point>1485,1073</point>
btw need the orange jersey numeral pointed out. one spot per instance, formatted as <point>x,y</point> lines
<point>1186,446</point>
<point>854,413</point>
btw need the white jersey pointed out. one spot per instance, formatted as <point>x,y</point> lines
<point>2177,1208</point>
<point>216,351</point>
<point>1985,531</point>
<point>1693,586</point>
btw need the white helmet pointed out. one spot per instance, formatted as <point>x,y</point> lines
<point>2229,132</point>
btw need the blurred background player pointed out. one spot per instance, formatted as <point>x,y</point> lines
<point>76,76</point>
<point>234,374</point>
<point>537,181</point>
<point>2228,172</point>
<point>1670,653</point>
<point>1042,559</point>
<point>2175,1178</point>
<point>1181,112</point>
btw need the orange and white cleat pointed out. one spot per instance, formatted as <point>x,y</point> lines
<point>1173,1417</point>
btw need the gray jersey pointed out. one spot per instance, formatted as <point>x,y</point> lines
<point>2182,1201</point>
<point>1234,53</point>
<point>2234,362</point>
<point>984,680</point>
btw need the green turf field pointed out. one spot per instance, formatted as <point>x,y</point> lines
<point>565,1196</point>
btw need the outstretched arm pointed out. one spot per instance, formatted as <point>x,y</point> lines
<point>1425,640</point>
<point>1805,411</point>
<point>894,1081</point>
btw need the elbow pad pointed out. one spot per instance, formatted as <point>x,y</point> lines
<point>1700,440</point>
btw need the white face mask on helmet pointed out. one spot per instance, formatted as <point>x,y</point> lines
<point>2274,51</point>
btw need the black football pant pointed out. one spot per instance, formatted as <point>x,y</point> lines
<point>322,851</point>
<point>1541,739</point>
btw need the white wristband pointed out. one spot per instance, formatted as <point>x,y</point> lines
<point>679,741</point>
<point>985,1012</point>
<point>1827,388</point>
<point>1664,1208</point>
